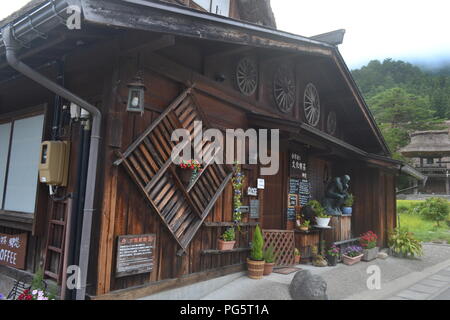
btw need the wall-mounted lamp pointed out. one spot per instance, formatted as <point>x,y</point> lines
<point>136,93</point>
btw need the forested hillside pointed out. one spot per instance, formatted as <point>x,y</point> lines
<point>404,98</point>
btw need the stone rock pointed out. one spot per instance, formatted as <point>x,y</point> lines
<point>306,286</point>
<point>382,255</point>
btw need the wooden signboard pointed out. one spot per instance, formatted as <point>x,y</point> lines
<point>135,254</point>
<point>13,249</point>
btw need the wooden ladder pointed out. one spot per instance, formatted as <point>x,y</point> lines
<point>55,247</point>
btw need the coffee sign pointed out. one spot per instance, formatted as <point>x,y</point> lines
<point>13,250</point>
<point>135,254</point>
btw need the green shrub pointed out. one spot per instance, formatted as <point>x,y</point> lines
<point>403,243</point>
<point>269,254</point>
<point>256,253</point>
<point>349,201</point>
<point>229,235</point>
<point>434,209</point>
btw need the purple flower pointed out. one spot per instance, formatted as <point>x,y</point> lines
<point>2,297</point>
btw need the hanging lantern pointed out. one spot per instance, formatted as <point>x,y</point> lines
<point>136,92</point>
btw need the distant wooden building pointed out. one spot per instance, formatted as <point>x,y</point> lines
<point>430,153</point>
<point>122,187</point>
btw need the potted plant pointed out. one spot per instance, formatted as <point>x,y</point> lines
<point>269,258</point>
<point>368,242</point>
<point>255,264</point>
<point>322,219</point>
<point>403,244</point>
<point>227,240</point>
<point>304,226</point>
<point>347,208</point>
<point>352,255</point>
<point>188,171</point>
<point>296,256</point>
<point>333,255</point>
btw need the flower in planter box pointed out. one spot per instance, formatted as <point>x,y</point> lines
<point>352,251</point>
<point>368,240</point>
<point>2,297</point>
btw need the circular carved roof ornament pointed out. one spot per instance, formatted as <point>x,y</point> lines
<point>247,76</point>
<point>311,105</point>
<point>331,123</point>
<point>284,89</point>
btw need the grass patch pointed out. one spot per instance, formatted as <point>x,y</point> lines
<point>423,230</point>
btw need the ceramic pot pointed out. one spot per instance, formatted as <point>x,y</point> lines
<point>332,260</point>
<point>351,260</point>
<point>225,245</point>
<point>185,175</point>
<point>255,268</point>
<point>347,210</point>
<point>297,259</point>
<point>268,268</point>
<point>323,222</point>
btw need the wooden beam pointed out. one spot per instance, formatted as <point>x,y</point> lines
<point>154,45</point>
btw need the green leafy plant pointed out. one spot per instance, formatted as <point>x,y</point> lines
<point>256,253</point>
<point>434,209</point>
<point>229,235</point>
<point>403,243</point>
<point>319,211</point>
<point>349,201</point>
<point>238,182</point>
<point>305,223</point>
<point>296,252</point>
<point>270,255</point>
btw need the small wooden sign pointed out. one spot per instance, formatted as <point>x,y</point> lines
<point>135,254</point>
<point>293,200</point>
<point>13,249</point>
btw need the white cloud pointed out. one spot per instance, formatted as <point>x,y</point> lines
<point>6,8</point>
<point>374,29</point>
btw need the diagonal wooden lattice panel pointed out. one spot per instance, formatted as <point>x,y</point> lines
<point>283,241</point>
<point>148,161</point>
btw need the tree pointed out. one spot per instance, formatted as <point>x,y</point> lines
<point>256,253</point>
<point>435,209</point>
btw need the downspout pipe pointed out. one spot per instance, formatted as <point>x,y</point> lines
<point>11,47</point>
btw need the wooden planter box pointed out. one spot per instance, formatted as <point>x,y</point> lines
<point>370,254</point>
<point>255,269</point>
<point>351,260</point>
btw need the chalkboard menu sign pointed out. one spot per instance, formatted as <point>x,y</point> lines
<point>293,186</point>
<point>293,200</point>
<point>135,254</point>
<point>254,209</point>
<point>291,213</point>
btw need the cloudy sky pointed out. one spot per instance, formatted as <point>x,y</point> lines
<point>417,31</point>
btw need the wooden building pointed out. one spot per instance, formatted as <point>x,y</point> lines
<point>121,181</point>
<point>429,152</point>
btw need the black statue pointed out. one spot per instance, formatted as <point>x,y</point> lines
<point>336,194</point>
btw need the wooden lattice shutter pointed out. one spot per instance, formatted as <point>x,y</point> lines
<point>182,208</point>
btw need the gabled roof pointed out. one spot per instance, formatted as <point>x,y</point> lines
<point>157,16</point>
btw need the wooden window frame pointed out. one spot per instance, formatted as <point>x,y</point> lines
<point>8,218</point>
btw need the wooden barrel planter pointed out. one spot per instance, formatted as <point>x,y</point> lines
<point>255,269</point>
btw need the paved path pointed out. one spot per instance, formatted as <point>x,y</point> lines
<point>435,287</point>
<point>350,282</point>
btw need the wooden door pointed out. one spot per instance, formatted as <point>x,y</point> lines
<point>275,198</point>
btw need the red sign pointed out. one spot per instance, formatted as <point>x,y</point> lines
<point>13,250</point>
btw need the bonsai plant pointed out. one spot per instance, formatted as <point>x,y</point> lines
<point>352,255</point>
<point>333,255</point>
<point>368,242</point>
<point>297,256</point>
<point>347,208</point>
<point>228,240</point>
<point>304,226</point>
<point>269,258</point>
<point>322,218</point>
<point>402,243</point>
<point>255,263</point>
